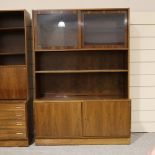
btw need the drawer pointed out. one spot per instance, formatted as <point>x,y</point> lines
<point>15,133</point>
<point>11,107</point>
<point>12,124</point>
<point>12,111</point>
<point>12,120</point>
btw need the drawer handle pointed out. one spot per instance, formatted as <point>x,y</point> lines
<point>19,123</point>
<point>19,133</point>
<point>18,115</point>
<point>18,107</point>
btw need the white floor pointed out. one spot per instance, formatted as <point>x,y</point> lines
<point>142,144</point>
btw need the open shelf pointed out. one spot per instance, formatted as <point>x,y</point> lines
<point>12,41</point>
<point>11,19</point>
<point>85,61</point>
<point>12,29</point>
<point>108,85</point>
<point>12,59</point>
<point>12,53</point>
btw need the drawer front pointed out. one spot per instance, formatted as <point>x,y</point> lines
<point>12,111</point>
<point>106,118</point>
<point>12,121</point>
<point>12,133</point>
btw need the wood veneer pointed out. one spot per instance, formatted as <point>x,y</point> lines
<point>15,99</point>
<point>81,76</point>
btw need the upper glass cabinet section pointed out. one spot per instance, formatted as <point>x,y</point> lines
<point>56,29</point>
<point>80,29</point>
<point>104,29</point>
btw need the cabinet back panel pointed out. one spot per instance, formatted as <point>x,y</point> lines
<point>73,60</point>
<point>12,41</point>
<point>105,84</point>
<point>12,60</point>
<point>11,19</point>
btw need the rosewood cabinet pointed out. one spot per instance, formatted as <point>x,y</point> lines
<point>15,60</point>
<point>81,76</point>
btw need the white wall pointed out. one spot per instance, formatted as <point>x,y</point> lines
<point>142,60</point>
<point>135,5</point>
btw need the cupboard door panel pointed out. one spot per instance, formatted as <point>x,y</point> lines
<point>56,29</point>
<point>58,119</point>
<point>105,29</point>
<point>13,82</point>
<point>106,118</point>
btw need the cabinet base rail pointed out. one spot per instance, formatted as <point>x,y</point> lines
<point>109,141</point>
<point>14,143</point>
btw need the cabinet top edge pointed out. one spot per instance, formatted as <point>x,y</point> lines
<point>18,10</point>
<point>80,9</point>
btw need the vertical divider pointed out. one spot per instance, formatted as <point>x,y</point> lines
<point>79,29</point>
<point>33,54</point>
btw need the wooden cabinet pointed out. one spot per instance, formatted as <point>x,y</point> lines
<point>58,119</point>
<point>15,58</point>
<point>81,76</point>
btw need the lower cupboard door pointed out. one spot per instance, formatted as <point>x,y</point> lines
<point>58,119</point>
<point>13,82</point>
<point>106,118</point>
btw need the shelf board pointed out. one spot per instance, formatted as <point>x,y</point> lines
<point>78,71</point>
<point>59,97</point>
<point>11,28</point>
<point>11,53</point>
<point>1,66</point>
<point>83,49</point>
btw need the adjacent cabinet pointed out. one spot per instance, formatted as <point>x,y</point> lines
<point>81,76</point>
<point>15,64</point>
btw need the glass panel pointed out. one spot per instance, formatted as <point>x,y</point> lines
<point>104,28</point>
<point>58,29</point>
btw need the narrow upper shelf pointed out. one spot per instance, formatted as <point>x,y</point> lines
<point>78,71</point>
<point>12,53</point>
<point>82,49</point>
<point>11,28</point>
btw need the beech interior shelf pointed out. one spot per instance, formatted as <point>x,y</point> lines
<point>11,53</point>
<point>79,71</point>
<point>81,49</point>
<point>60,97</point>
